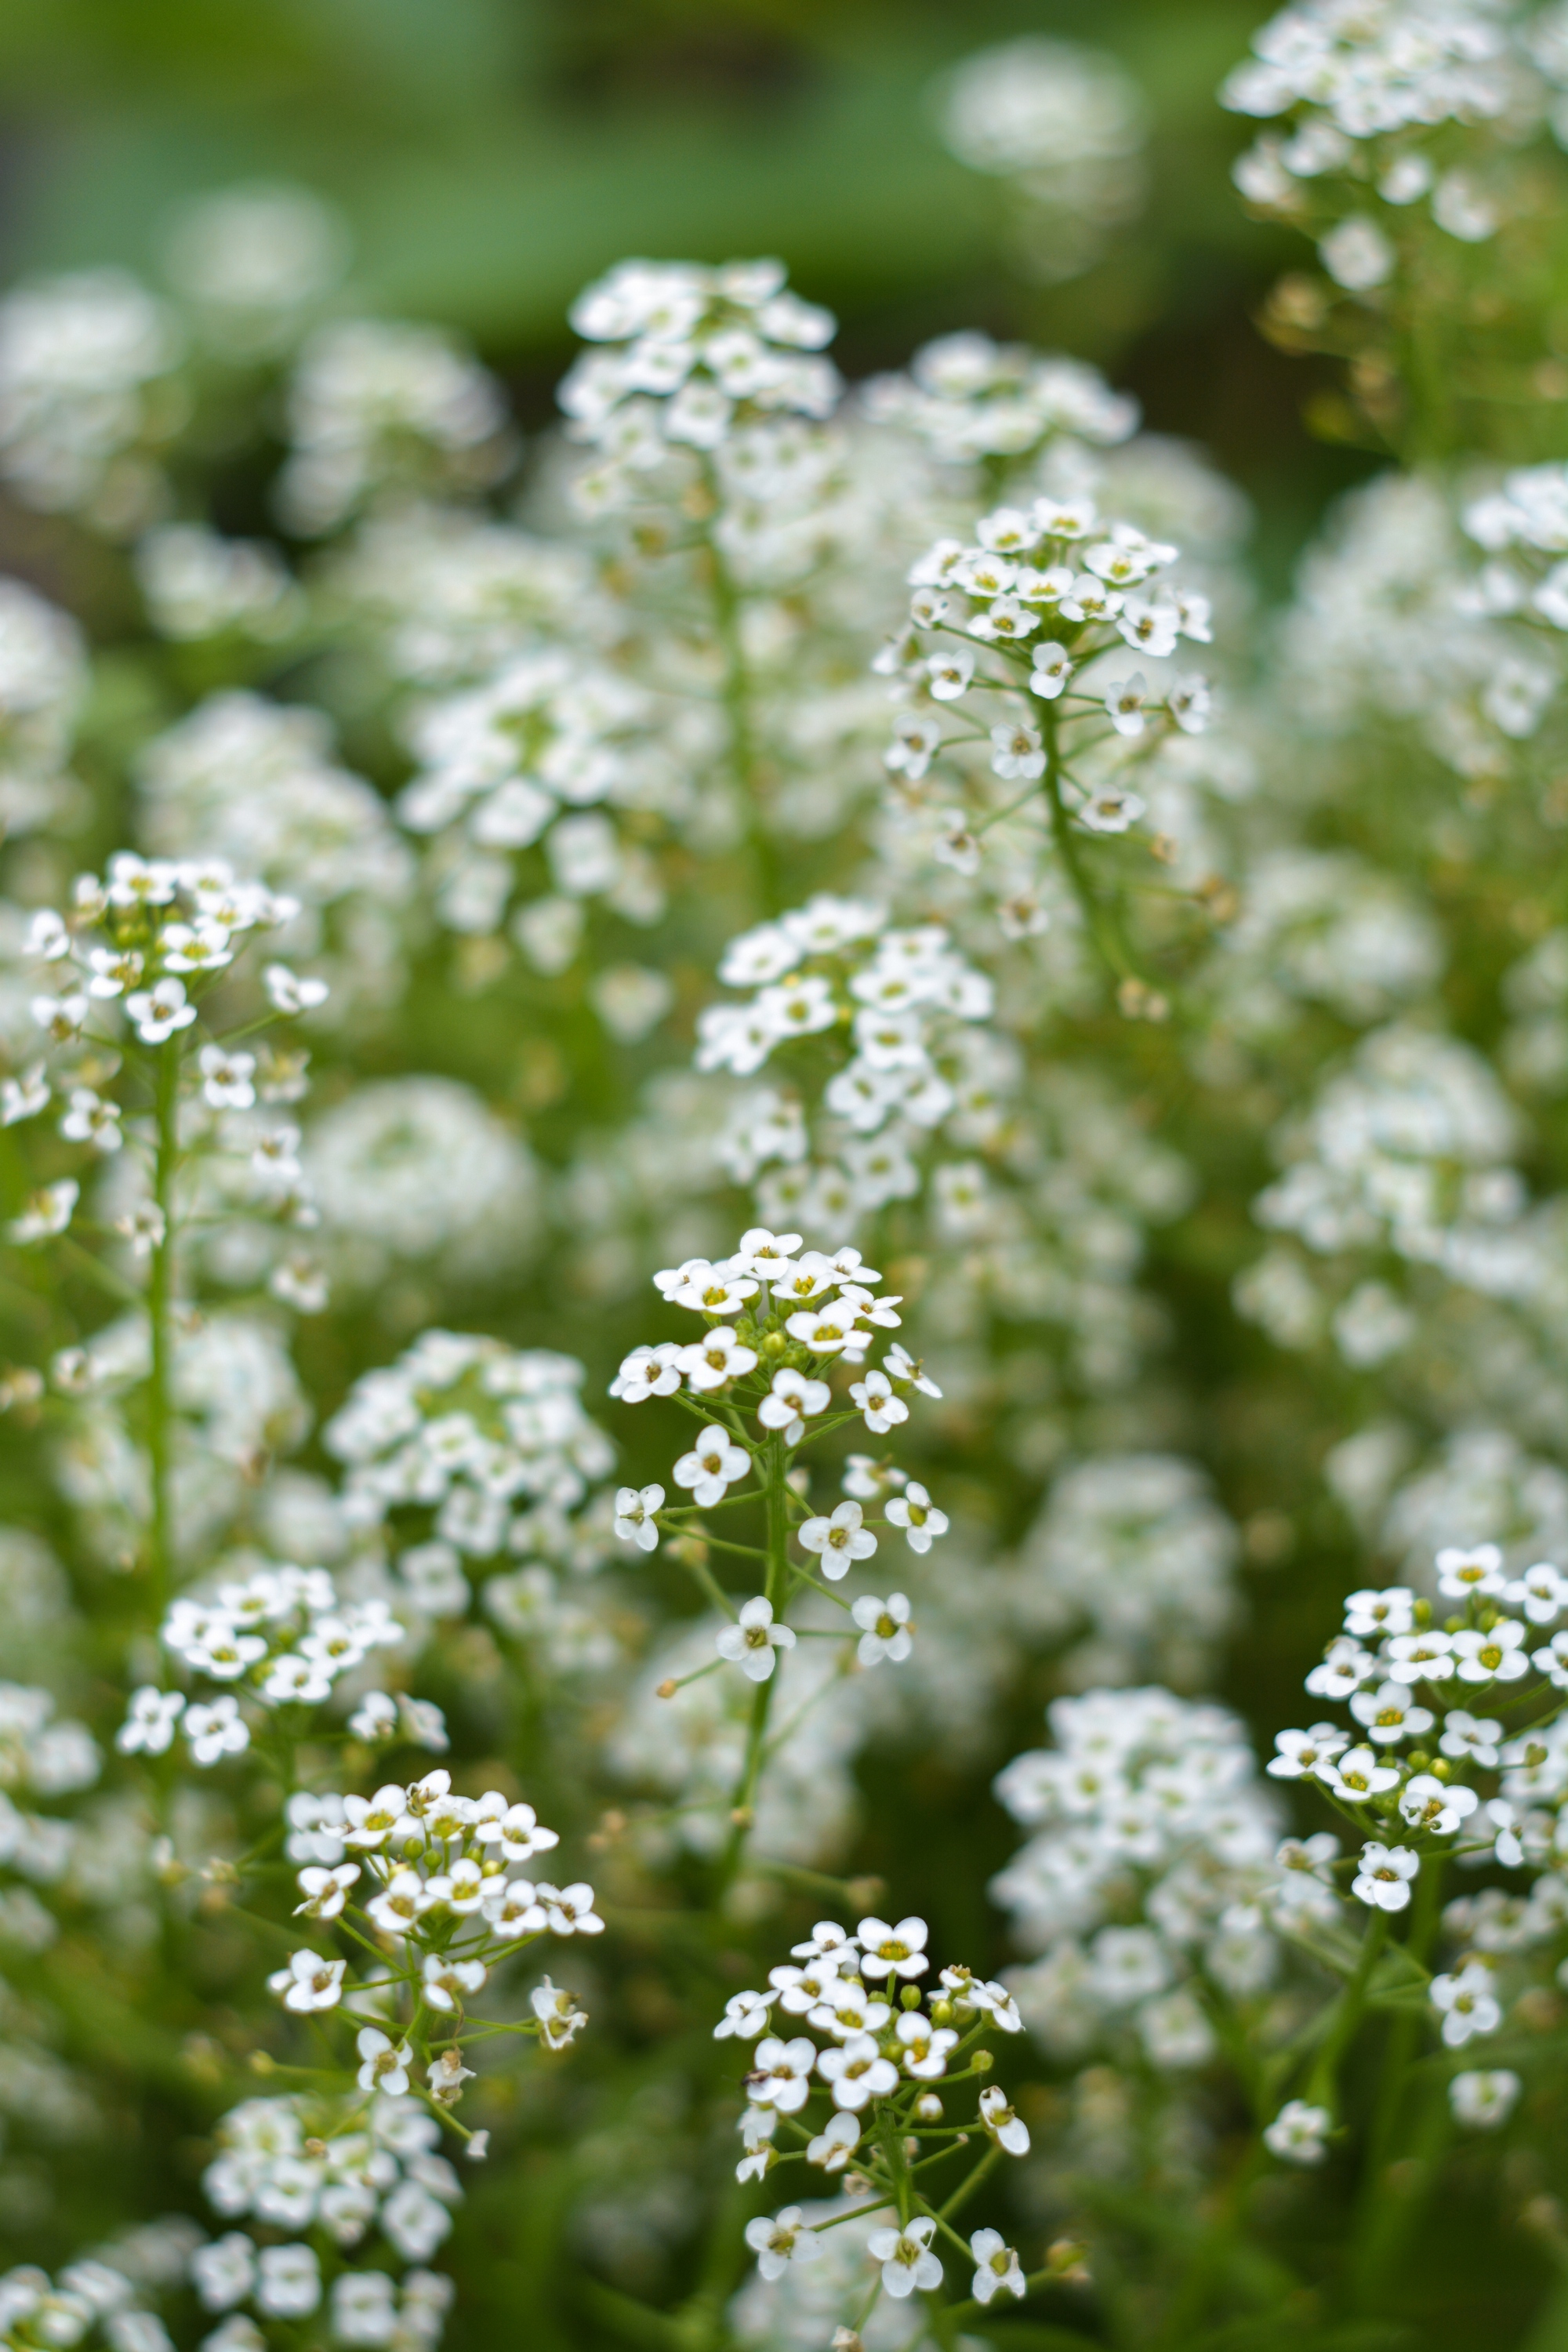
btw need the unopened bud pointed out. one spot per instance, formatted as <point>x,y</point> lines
<point>928,2107</point>
<point>911,1996</point>
<point>1068,2259</point>
<point>667,1688</point>
<point>846,2340</point>
<point>983,2062</point>
<point>262,2061</point>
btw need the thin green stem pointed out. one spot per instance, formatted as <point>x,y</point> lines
<point>159,1302</point>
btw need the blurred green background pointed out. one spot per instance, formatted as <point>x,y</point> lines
<point>493,155</point>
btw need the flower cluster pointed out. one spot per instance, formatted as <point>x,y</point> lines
<point>537,755</point>
<point>708,360</point>
<point>920,1059</point>
<point>968,398</point>
<point>863,2037</point>
<point>280,1637</point>
<point>345,2168</point>
<point>1149,1793</point>
<point>487,1446</point>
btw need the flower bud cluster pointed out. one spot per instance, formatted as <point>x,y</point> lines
<point>280,1637</point>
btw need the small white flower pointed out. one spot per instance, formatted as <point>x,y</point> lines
<point>754,1642</point>
<point>1007,2129</point>
<point>25,1096</point>
<point>1498,1655</point>
<point>308,1982</point>
<point>1124,701</point>
<point>1462,1573</point>
<point>633,1519</point>
<point>1052,669</point>
<point>900,1365</point>
<point>906,2257</point>
<point>149,1727</point>
<point>835,2143</point>
<point>714,1463</point>
<point>893,1951</point>
<point>290,992</point>
<point>1466,2003</point>
<point>648,1371</point>
<point>383,2064</point>
<point>560,2019</point>
<point>781,2073</point>
<point>47,1213</point>
<point>881,1409</point>
<point>914,1511</point>
<point>1298,2133</point>
<point>745,2016</point>
<point>569,1910</point>
<point>1485,2098</point>
<point>289,2282</point>
<point>1440,1806</point>
<point>158,1012</point>
<point>886,1628</point>
<point>719,1357</point>
<point>838,1539</point>
<point>1383,1880</point>
<point>325,1889</point>
<point>781,2240</point>
<point>216,1731</point>
<point>228,1079</point>
<point>857,2071</point>
<point>997,2270</point>
<point>445,1980</point>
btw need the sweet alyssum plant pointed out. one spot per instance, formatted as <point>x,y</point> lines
<point>503,885</point>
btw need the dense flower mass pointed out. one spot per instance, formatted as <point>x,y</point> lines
<point>1085,1052</point>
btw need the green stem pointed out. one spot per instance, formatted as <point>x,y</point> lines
<point>771,1460</point>
<point>1319,2091</point>
<point>159,1300</point>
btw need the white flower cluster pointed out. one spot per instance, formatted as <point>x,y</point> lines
<point>712,361</point>
<point>1147,1792</point>
<point>967,398</point>
<point>421,1171</point>
<point>89,396</point>
<point>1369,91</point>
<point>285,2283</point>
<point>1064,724</point>
<point>296,2164</point>
<point>41,1755</point>
<point>919,1060</point>
<point>488,1444</point>
<point>1133,1548</point>
<point>378,407</point>
<point>537,756</point>
<point>37,2312</point>
<point>280,1637</point>
<point>43,685</point>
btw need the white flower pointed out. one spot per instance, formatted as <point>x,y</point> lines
<point>1007,2129</point>
<point>1052,669</point>
<point>925,2047</point>
<point>835,2143</point>
<point>560,2019</point>
<point>1304,1751</point>
<point>569,1910</point>
<point>781,2240</point>
<point>1390,1611</point>
<point>856,2073</point>
<point>1124,700</point>
<point>1466,2003</point>
<point>445,1980</point>
<point>228,1078</point>
<point>224,2271</point>
<point>149,1727</point>
<point>1469,1735</point>
<point>1461,1573</point>
<point>838,1539</point>
<point>827,1333</point>
<point>874,1398</point>
<point>714,1463</point>
<point>1357,1776</point>
<point>289,2282</point>
<point>1382,1879</point>
<point>1541,1592</point>
<point>950,673</point>
<point>914,1511</point>
<point>24,1095</point>
<point>648,1372</point>
<point>791,1401</point>
<point>893,1951</point>
<point>754,1640</point>
<point>158,1012</point>
<point>308,1982</point>
<point>633,1519</point>
<point>1498,1655</point>
<point>1389,1713</point>
<point>47,1213</point>
<point>997,2270</point>
<point>719,1357</point>
<point>446,2075</point>
<point>216,1731</point>
<point>745,2016</point>
<point>1017,752</point>
<point>1440,1806</point>
<point>383,2064</point>
<point>886,1628</point>
<point>90,1119</point>
<point>1356,254</point>
<point>1298,2133</point>
<point>906,2257</point>
<point>781,2074</point>
<point>1484,2099</point>
<point>325,1889</point>
<point>900,1365</point>
<point>290,992</point>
